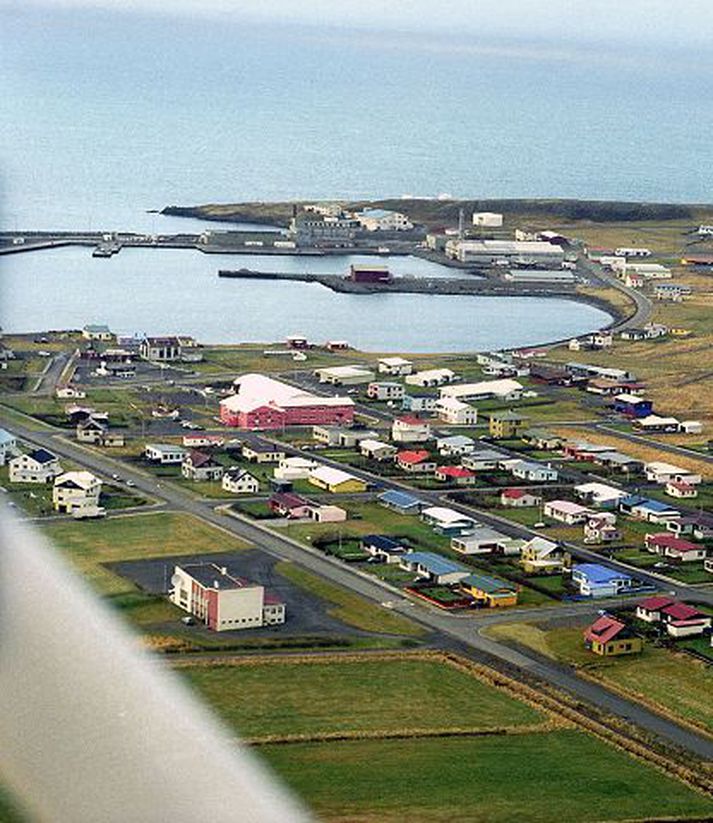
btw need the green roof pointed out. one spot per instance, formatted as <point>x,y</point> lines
<point>490,585</point>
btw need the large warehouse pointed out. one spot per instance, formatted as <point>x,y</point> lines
<point>260,402</point>
<point>521,252</point>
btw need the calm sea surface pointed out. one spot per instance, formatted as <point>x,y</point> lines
<point>104,117</point>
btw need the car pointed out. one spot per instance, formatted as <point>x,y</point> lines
<point>188,621</point>
<point>130,483</point>
<point>540,525</point>
<point>115,477</point>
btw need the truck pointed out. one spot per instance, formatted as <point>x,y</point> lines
<point>89,512</point>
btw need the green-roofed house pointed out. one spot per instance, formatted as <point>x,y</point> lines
<point>490,591</point>
<point>542,439</point>
<point>506,424</point>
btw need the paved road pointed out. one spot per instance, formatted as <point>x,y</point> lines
<point>655,444</point>
<point>643,307</point>
<point>461,630</point>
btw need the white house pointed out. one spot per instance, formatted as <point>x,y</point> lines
<point>377,450</point>
<point>294,468</point>
<point>395,366</point>
<point>504,389</point>
<point>8,446</point>
<point>408,429</point>
<point>384,390</point>
<point>419,403</point>
<point>97,332</point>
<point>164,453</point>
<point>430,378</point>
<point>455,412</point>
<point>483,460</point>
<point>482,540</point>
<point>600,494</point>
<point>38,466</point>
<point>76,491</point>
<point>663,473</point>
<point>239,481</point>
<point>447,521</point>
<point>533,472</point>
<point>566,512</point>
<point>455,445</point>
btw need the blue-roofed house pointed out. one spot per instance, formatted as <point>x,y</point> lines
<point>433,567</point>
<point>400,502</point>
<point>39,466</point>
<point>8,446</point>
<point>644,508</point>
<point>595,580</point>
<point>383,547</point>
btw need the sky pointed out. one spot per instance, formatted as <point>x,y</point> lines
<point>666,23</point>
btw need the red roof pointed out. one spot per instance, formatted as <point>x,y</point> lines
<point>415,456</point>
<point>454,471</point>
<point>655,604</point>
<point>514,494</point>
<point>411,420</point>
<point>681,486</point>
<point>681,611</point>
<point>604,629</point>
<point>669,541</point>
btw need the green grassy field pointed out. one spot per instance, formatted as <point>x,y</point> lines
<point>676,684</point>
<point>362,695</point>
<point>350,608</point>
<point>563,775</point>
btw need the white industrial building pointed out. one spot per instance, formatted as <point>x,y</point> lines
<point>396,366</point>
<point>489,252</point>
<point>383,220</point>
<point>345,375</point>
<point>505,389</point>
<point>489,219</point>
<point>430,378</point>
<point>559,276</point>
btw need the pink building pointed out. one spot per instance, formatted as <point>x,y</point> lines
<point>260,402</point>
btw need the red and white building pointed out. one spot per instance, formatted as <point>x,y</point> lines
<point>668,545</point>
<point>221,600</point>
<point>410,429</point>
<point>260,402</point>
<point>416,461</point>
<point>519,498</point>
<point>456,474</point>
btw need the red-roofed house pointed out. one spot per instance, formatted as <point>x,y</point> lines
<point>608,637</point>
<point>416,461</point>
<point>682,620</point>
<point>456,474</point>
<point>650,608</point>
<point>668,545</point>
<point>676,488</point>
<point>198,465</point>
<point>410,429</point>
<point>519,498</point>
<point>290,505</point>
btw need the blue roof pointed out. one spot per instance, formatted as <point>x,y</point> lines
<point>382,541</point>
<point>599,574</point>
<point>377,213</point>
<point>434,563</point>
<point>646,503</point>
<point>400,499</point>
<point>6,437</point>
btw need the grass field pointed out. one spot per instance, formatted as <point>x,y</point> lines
<point>88,544</point>
<point>350,608</point>
<point>562,775</point>
<point>675,684</point>
<point>362,695</point>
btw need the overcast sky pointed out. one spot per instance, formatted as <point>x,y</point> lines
<point>664,22</point>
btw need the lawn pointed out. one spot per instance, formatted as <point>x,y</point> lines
<point>563,775</point>
<point>88,544</point>
<point>313,697</point>
<point>673,683</point>
<point>350,608</point>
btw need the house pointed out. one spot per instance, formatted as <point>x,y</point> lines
<point>690,427</point>
<point>533,472</point>
<point>708,565</point>
<point>595,580</point>
<point>69,392</point>
<point>260,402</point>
<point>160,349</point>
<point>385,390</point>
<point>481,540</point>
<point>97,332</point>
<point>447,521</point>
<point>600,494</point>
<point>455,412</point>
<point>345,375</point>
<point>655,424</point>
<point>519,498</point>
<point>455,445</point>
<point>682,620</point>
<point>668,545</point>
<point>540,555</point>
<point>164,453</point>
<point>327,435</point>
<point>415,461</point>
<point>631,405</point>
<point>419,403</point>
<point>91,430</point>
<point>223,601</point>
<point>671,291</point>
<point>542,439</point>
<point>76,491</point>
<point>618,462</point>
<point>663,473</point>
<point>483,460</point>
<point>287,504</point>
<point>610,637</point>
<point>262,451</point>
<point>201,440</point>
<point>321,513</point>
<point>492,592</point>
<point>294,468</point>
<point>408,429</point>
<point>590,370</point>
<point>377,450</point>
<point>8,446</point>
<point>649,609</point>
<point>680,490</point>
<point>582,450</point>
<point>505,424</point>
<point>566,512</point>
<point>38,466</point>
<point>434,567</point>
<point>643,508</point>
<point>395,366</point>
<point>200,467</point>
<point>430,377</point>
<point>239,481</point>
<point>336,480</point>
<point>697,524</point>
<point>400,502</point>
<point>383,220</point>
<point>457,475</point>
<point>384,548</point>
<point>505,389</point>
<point>600,529</point>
